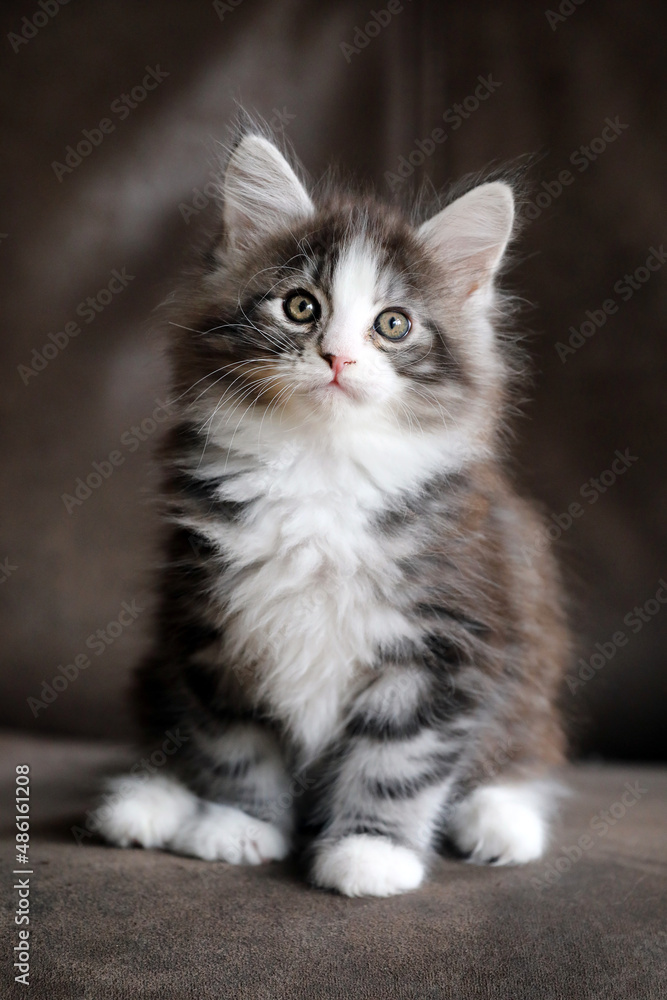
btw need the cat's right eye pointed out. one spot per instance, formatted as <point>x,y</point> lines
<point>301,307</point>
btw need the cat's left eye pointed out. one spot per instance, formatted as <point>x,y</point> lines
<point>301,307</point>
<point>392,324</point>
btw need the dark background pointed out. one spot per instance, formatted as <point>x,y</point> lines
<point>60,241</point>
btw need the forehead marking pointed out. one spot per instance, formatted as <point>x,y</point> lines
<point>355,276</point>
<point>354,287</point>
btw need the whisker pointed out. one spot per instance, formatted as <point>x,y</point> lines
<point>214,372</point>
<point>245,393</point>
<point>213,384</point>
<point>264,416</point>
<point>421,390</point>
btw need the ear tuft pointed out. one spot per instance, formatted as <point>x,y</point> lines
<point>261,192</point>
<point>469,237</point>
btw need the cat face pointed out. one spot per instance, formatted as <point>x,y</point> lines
<point>344,311</point>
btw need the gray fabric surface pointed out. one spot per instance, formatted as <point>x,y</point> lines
<point>116,924</point>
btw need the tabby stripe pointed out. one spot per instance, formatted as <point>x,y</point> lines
<point>408,788</point>
<point>204,493</point>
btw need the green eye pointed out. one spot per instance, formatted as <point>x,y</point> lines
<point>392,324</point>
<point>301,307</point>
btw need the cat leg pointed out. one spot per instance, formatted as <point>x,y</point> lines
<point>384,795</point>
<point>383,811</point>
<point>504,824</point>
<point>242,766</point>
<point>246,816</point>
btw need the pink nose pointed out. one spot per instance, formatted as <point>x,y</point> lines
<point>337,362</point>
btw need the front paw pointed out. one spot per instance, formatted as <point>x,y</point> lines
<point>143,812</point>
<point>362,865</point>
<point>224,833</point>
<point>501,825</point>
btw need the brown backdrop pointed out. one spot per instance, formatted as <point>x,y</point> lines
<point>551,86</point>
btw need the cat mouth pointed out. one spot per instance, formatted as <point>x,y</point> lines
<point>334,384</point>
<point>338,390</point>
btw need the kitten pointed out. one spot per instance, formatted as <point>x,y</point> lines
<point>350,639</point>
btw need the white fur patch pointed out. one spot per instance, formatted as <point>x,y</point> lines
<point>355,302</point>
<point>224,833</point>
<point>144,812</point>
<point>367,866</point>
<point>313,595</point>
<point>502,824</point>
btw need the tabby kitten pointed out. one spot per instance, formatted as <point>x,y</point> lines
<point>350,639</point>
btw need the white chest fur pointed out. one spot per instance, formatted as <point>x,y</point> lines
<point>314,595</point>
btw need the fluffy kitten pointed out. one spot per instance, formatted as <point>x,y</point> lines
<point>350,639</point>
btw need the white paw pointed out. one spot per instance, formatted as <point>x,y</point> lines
<point>363,865</point>
<point>145,811</point>
<point>224,833</point>
<point>501,824</point>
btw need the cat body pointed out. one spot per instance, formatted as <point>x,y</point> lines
<point>349,631</point>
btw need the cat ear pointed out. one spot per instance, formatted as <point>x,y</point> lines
<point>468,238</point>
<point>261,192</point>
